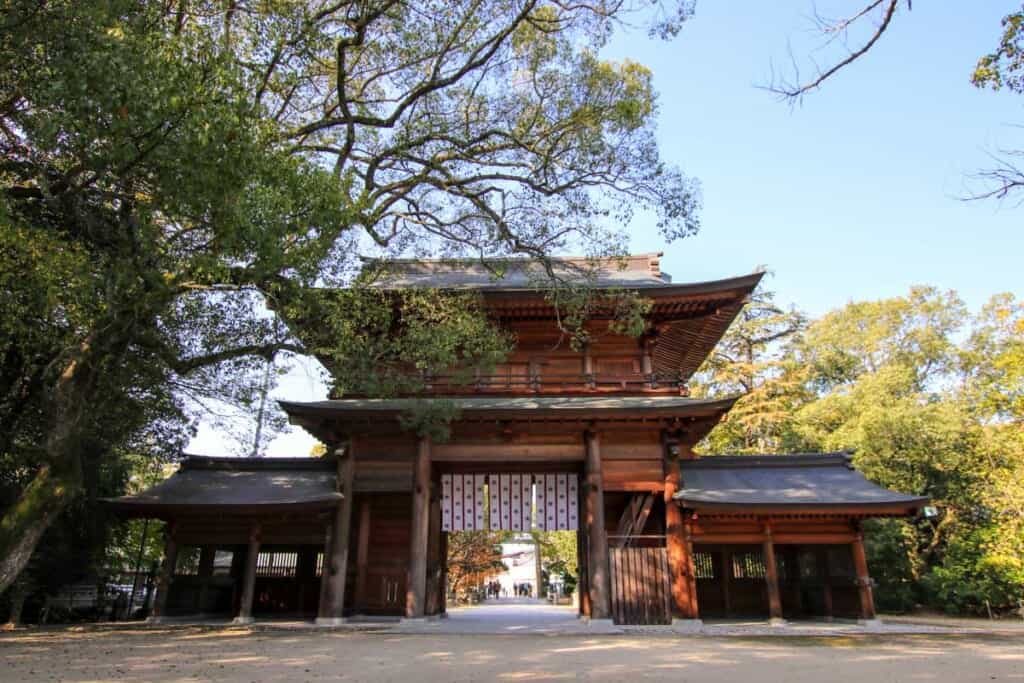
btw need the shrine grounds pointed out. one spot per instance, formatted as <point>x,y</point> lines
<point>206,653</point>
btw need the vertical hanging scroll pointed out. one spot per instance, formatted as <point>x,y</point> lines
<point>458,524</point>
<point>468,503</point>
<point>516,509</point>
<point>494,493</point>
<point>506,493</point>
<point>446,502</point>
<point>574,504</point>
<point>563,502</point>
<point>479,500</point>
<point>526,497</point>
<point>550,502</point>
<point>540,518</point>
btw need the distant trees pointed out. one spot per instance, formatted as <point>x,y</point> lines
<point>474,557</point>
<point>930,399</point>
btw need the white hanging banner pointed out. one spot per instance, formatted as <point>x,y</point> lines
<point>509,502</point>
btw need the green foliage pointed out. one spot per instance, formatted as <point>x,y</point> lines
<point>928,398</point>
<point>172,170</point>
<point>1003,68</point>
<point>558,553</point>
<point>474,557</point>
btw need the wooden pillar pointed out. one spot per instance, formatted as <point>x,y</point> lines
<point>860,565</point>
<point>434,559</point>
<point>726,580</point>
<point>362,552</point>
<point>694,612</point>
<point>597,538</point>
<point>206,554</point>
<point>335,569</point>
<point>647,354</point>
<point>249,580</point>
<point>443,587</point>
<point>680,562</point>
<point>415,595</point>
<point>771,576</point>
<point>163,586</point>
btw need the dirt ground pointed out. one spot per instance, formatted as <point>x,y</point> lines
<point>244,655</point>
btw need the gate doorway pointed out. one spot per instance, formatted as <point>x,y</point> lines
<point>508,582</point>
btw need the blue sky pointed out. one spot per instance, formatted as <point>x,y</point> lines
<point>852,195</point>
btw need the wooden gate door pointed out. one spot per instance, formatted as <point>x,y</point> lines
<point>640,586</point>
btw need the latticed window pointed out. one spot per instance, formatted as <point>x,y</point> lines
<point>222,560</point>
<point>704,565</point>
<point>319,564</point>
<point>187,563</point>
<point>840,563</point>
<point>747,566</point>
<point>277,564</point>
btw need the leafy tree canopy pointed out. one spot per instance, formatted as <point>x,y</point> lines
<point>171,169</point>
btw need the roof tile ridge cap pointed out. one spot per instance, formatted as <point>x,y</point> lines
<point>773,460</point>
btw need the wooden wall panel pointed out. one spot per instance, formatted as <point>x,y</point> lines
<point>491,452</point>
<point>632,475</point>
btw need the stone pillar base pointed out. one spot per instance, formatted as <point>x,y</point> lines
<point>156,620</point>
<point>242,621</point>
<point>330,621</point>
<point>412,621</point>
<point>870,623</point>
<point>777,621</point>
<point>687,625</point>
<point>601,623</point>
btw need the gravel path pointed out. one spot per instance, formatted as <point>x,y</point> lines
<point>105,653</point>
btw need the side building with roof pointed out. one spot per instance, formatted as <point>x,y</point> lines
<point>597,440</point>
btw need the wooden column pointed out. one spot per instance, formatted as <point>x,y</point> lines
<point>771,576</point>
<point>163,586</point>
<point>415,595</point>
<point>726,580</point>
<point>434,558</point>
<point>691,567</point>
<point>597,538</point>
<point>860,565</point>
<point>249,579</point>
<point>206,554</point>
<point>335,570</point>
<point>679,561</point>
<point>443,587</point>
<point>362,552</point>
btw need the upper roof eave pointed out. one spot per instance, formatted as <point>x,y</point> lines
<point>550,405</point>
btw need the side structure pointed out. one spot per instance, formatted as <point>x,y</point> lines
<point>598,441</point>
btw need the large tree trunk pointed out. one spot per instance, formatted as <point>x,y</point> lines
<point>56,482</point>
<point>27,520</point>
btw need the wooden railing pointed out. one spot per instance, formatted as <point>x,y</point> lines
<point>556,384</point>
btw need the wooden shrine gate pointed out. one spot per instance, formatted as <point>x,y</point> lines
<point>640,582</point>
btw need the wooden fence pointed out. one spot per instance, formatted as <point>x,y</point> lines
<point>640,586</point>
